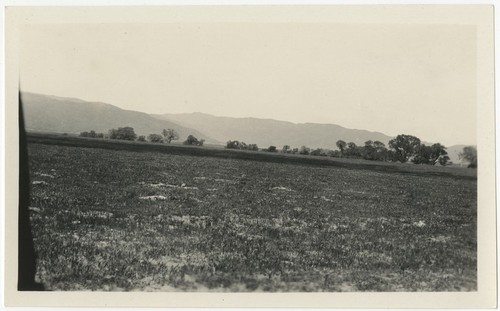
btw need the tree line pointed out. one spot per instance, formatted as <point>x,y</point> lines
<point>402,149</point>
<point>128,133</point>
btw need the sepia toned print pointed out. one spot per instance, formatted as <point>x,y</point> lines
<point>250,157</point>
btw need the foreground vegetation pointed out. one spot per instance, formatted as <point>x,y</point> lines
<point>123,220</point>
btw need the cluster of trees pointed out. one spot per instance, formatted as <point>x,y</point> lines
<point>402,149</point>
<point>91,134</point>
<point>408,147</point>
<point>306,151</point>
<point>167,135</point>
<point>234,144</point>
<point>123,133</point>
<point>128,133</point>
<point>431,155</point>
<point>372,150</point>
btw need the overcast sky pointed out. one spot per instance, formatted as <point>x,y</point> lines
<point>412,79</point>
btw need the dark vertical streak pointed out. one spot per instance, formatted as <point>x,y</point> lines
<point>26,251</point>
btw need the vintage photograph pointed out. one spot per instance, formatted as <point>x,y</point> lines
<point>248,156</point>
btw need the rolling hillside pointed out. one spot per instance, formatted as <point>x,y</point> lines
<point>68,115</point>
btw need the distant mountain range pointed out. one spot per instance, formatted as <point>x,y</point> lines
<point>69,115</point>
<point>267,132</point>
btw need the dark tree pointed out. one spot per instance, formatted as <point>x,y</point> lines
<point>253,147</point>
<point>155,138</point>
<point>170,134</point>
<point>91,134</point>
<point>304,150</point>
<point>404,146</point>
<point>272,149</point>
<point>141,138</point>
<point>341,145</point>
<point>124,133</point>
<point>380,151</point>
<point>444,160</point>
<point>378,145</point>
<point>233,144</point>
<point>469,153</point>
<point>286,149</point>
<point>352,150</point>
<point>193,141</point>
<point>422,155</point>
<point>390,155</point>
<point>437,151</point>
<point>431,154</point>
<point>369,151</point>
<point>316,152</point>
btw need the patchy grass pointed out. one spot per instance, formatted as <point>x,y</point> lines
<point>122,220</point>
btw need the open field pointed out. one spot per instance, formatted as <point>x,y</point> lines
<point>164,220</point>
<point>221,152</point>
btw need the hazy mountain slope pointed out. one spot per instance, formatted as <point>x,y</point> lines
<point>266,132</point>
<point>68,115</point>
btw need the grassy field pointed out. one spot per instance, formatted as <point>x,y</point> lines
<point>221,152</point>
<point>154,221</point>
